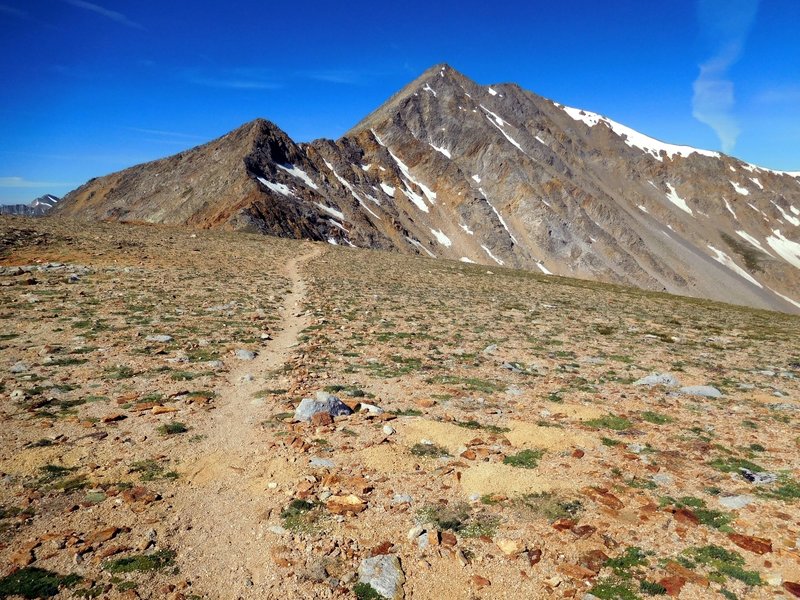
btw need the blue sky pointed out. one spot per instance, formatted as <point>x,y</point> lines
<point>93,87</point>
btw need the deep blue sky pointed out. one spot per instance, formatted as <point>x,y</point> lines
<point>92,87</point>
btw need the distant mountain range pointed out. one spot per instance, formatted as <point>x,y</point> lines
<point>39,207</point>
<point>495,175</point>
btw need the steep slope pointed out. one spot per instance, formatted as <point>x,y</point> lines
<point>494,175</point>
<point>37,208</point>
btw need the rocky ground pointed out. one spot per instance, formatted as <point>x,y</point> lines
<point>468,432</point>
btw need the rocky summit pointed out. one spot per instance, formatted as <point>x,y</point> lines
<point>37,208</point>
<point>496,175</point>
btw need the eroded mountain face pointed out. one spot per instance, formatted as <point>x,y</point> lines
<point>494,175</point>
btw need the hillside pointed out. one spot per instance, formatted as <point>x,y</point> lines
<point>507,436</point>
<point>493,175</point>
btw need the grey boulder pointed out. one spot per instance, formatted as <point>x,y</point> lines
<point>384,574</point>
<point>324,402</point>
<point>658,379</point>
<point>706,391</point>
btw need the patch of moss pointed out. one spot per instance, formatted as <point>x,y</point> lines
<point>525,459</point>
<point>364,591</point>
<point>172,428</point>
<point>656,418</point>
<point>141,562</point>
<point>429,450</point>
<point>610,422</point>
<point>32,582</point>
<point>730,464</point>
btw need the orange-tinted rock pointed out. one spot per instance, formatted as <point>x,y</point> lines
<point>534,556</point>
<point>792,587</point>
<point>604,497</point>
<point>684,515</point>
<point>593,560</point>
<point>687,574</point>
<point>480,582</point>
<point>575,571</point>
<point>449,539</point>
<point>321,418</point>
<point>101,535</point>
<point>673,584</point>
<point>350,504</point>
<point>756,545</point>
<point>564,524</point>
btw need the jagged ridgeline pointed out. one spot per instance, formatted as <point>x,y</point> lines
<point>496,175</point>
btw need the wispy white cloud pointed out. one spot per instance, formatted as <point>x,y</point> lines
<point>726,24</point>
<point>341,76</point>
<point>242,78</point>
<point>166,134</point>
<point>21,182</point>
<point>105,12</point>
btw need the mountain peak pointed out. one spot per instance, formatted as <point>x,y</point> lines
<point>440,70</point>
<point>489,174</point>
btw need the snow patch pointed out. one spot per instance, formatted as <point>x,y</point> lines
<point>757,182</point>
<point>277,187</point>
<point>420,246</point>
<point>299,174</point>
<point>499,216</point>
<point>444,151</point>
<point>464,259</point>
<point>786,248</point>
<point>677,200</point>
<point>388,190</point>
<point>428,88</point>
<point>642,208</point>
<point>791,219</point>
<point>441,238</point>
<point>752,241</point>
<point>493,91</point>
<point>429,194</point>
<point>337,214</point>
<point>499,123</point>
<point>635,139</point>
<point>467,229</point>
<point>739,189</point>
<point>476,178</point>
<point>727,261</point>
<point>730,208</point>
<point>797,304</point>
<point>492,256</point>
<point>337,224</point>
<point>543,269</point>
<point>349,187</point>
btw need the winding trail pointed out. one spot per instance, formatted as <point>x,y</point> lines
<point>220,538</point>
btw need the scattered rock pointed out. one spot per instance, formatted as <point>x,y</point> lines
<point>243,354</point>
<point>480,582</point>
<point>510,547</point>
<point>792,587</point>
<point>735,502</point>
<point>19,367</point>
<point>706,391</point>
<point>350,504</point>
<point>758,478</point>
<point>756,545</point>
<point>384,574</point>
<point>160,339</point>
<point>658,379</point>
<point>321,463</point>
<point>324,402</point>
